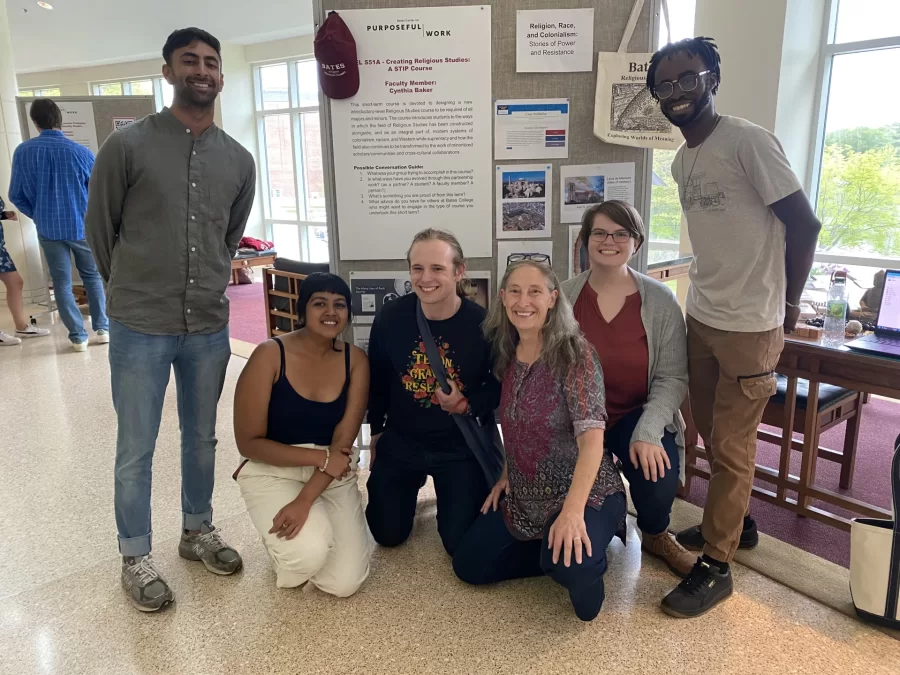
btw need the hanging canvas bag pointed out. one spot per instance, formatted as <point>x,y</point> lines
<point>624,111</point>
<point>875,560</point>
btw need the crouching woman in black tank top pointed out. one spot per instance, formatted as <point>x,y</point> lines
<point>297,410</point>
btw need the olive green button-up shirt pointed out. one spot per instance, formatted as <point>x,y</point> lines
<point>166,210</point>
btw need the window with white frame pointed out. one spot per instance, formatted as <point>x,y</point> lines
<point>856,186</point>
<point>287,113</point>
<point>157,87</point>
<point>45,92</point>
<point>664,226</point>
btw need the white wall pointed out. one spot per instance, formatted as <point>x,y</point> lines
<point>280,49</point>
<point>77,81</point>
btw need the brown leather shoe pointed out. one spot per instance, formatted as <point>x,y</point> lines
<point>664,546</point>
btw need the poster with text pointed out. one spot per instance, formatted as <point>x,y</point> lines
<point>582,186</point>
<point>555,40</point>
<point>412,149</point>
<point>524,201</point>
<point>361,337</point>
<point>370,291</point>
<point>511,251</point>
<point>78,123</point>
<point>531,129</point>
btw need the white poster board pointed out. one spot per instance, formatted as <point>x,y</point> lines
<point>361,337</point>
<point>524,201</point>
<point>78,123</point>
<point>531,128</point>
<point>413,148</point>
<point>555,40</point>
<point>583,185</point>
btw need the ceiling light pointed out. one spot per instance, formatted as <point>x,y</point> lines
<point>45,5</point>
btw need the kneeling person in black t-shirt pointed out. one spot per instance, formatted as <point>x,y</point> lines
<point>413,433</point>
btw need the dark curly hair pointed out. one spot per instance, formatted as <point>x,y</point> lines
<point>703,47</point>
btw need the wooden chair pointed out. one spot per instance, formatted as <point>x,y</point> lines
<point>836,405</point>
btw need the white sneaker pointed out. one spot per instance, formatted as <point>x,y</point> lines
<point>32,332</point>
<point>79,346</point>
<point>7,340</point>
<point>102,337</point>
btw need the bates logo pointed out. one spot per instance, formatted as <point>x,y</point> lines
<point>334,69</point>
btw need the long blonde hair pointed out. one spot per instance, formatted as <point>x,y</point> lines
<point>463,286</point>
<point>562,343</point>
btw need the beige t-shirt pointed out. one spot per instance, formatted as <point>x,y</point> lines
<point>726,186</point>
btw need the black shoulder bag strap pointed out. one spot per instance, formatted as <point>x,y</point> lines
<point>482,439</point>
<point>890,605</point>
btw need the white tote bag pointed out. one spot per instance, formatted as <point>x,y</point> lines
<point>624,111</point>
<point>875,560</point>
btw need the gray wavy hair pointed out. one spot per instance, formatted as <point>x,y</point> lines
<point>562,342</point>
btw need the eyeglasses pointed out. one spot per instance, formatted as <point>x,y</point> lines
<point>686,83</point>
<point>534,257</point>
<point>619,236</point>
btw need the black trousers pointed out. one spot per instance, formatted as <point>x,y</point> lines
<point>397,476</point>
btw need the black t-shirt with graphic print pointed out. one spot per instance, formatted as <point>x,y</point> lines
<point>402,389</point>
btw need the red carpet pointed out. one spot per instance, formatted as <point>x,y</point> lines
<point>248,313</point>
<point>871,483</point>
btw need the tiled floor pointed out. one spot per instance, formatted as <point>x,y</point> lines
<point>62,611</point>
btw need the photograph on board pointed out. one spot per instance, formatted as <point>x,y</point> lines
<point>509,252</point>
<point>584,189</point>
<point>524,184</point>
<point>578,255</point>
<point>480,288</point>
<point>523,210</point>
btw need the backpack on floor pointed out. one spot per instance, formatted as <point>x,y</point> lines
<point>875,560</point>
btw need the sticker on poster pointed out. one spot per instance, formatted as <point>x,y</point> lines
<point>555,40</point>
<point>509,252</point>
<point>531,128</point>
<point>582,186</point>
<point>413,146</point>
<point>524,201</point>
<point>578,255</point>
<point>122,122</point>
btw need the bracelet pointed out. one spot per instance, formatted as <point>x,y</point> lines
<point>791,304</point>
<point>327,457</point>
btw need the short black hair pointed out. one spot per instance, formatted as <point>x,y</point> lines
<point>184,36</point>
<point>46,114</point>
<point>703,47</point>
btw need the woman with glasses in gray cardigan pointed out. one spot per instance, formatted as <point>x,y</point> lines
<point>637,327</point>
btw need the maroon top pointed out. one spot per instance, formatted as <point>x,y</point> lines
<point>541,415</point>
<point>622,347</point>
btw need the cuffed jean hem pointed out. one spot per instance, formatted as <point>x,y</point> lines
<point>194,521</point>
<point>135,547</point>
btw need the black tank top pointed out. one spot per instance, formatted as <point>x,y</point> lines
<point>294,420</point>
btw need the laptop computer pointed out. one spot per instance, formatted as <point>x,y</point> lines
<point>886,339</point>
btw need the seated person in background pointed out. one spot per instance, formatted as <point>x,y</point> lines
<point>637,328</point>
<point>298,407</point>
<point>419,437</point>
<point>564,499</point>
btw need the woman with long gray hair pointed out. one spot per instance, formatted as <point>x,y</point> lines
<point>560,499</point>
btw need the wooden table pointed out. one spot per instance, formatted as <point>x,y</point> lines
<point>831,365</point>
<point>239,263</point>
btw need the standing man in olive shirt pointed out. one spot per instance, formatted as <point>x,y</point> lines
<point>169,198</point>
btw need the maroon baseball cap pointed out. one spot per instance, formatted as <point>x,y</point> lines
<point>335,51</point>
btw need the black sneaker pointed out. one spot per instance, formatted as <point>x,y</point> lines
<point>692,537</point>
<point>700,591</point>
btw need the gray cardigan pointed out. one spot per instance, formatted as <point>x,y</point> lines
<point>667,344</point>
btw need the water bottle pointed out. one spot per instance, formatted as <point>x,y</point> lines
<point>835,313</point>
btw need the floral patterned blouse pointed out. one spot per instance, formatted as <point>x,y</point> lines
<point>542,415</point>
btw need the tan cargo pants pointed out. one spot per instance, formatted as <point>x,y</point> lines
<point>731,379</point>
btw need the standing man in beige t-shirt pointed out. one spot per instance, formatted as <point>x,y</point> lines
<point>754,235</point>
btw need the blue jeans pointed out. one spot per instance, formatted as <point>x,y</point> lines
<point>140,365</point>
<point>489,553</point>
<point>652,501</point>
<point>60,264</point>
